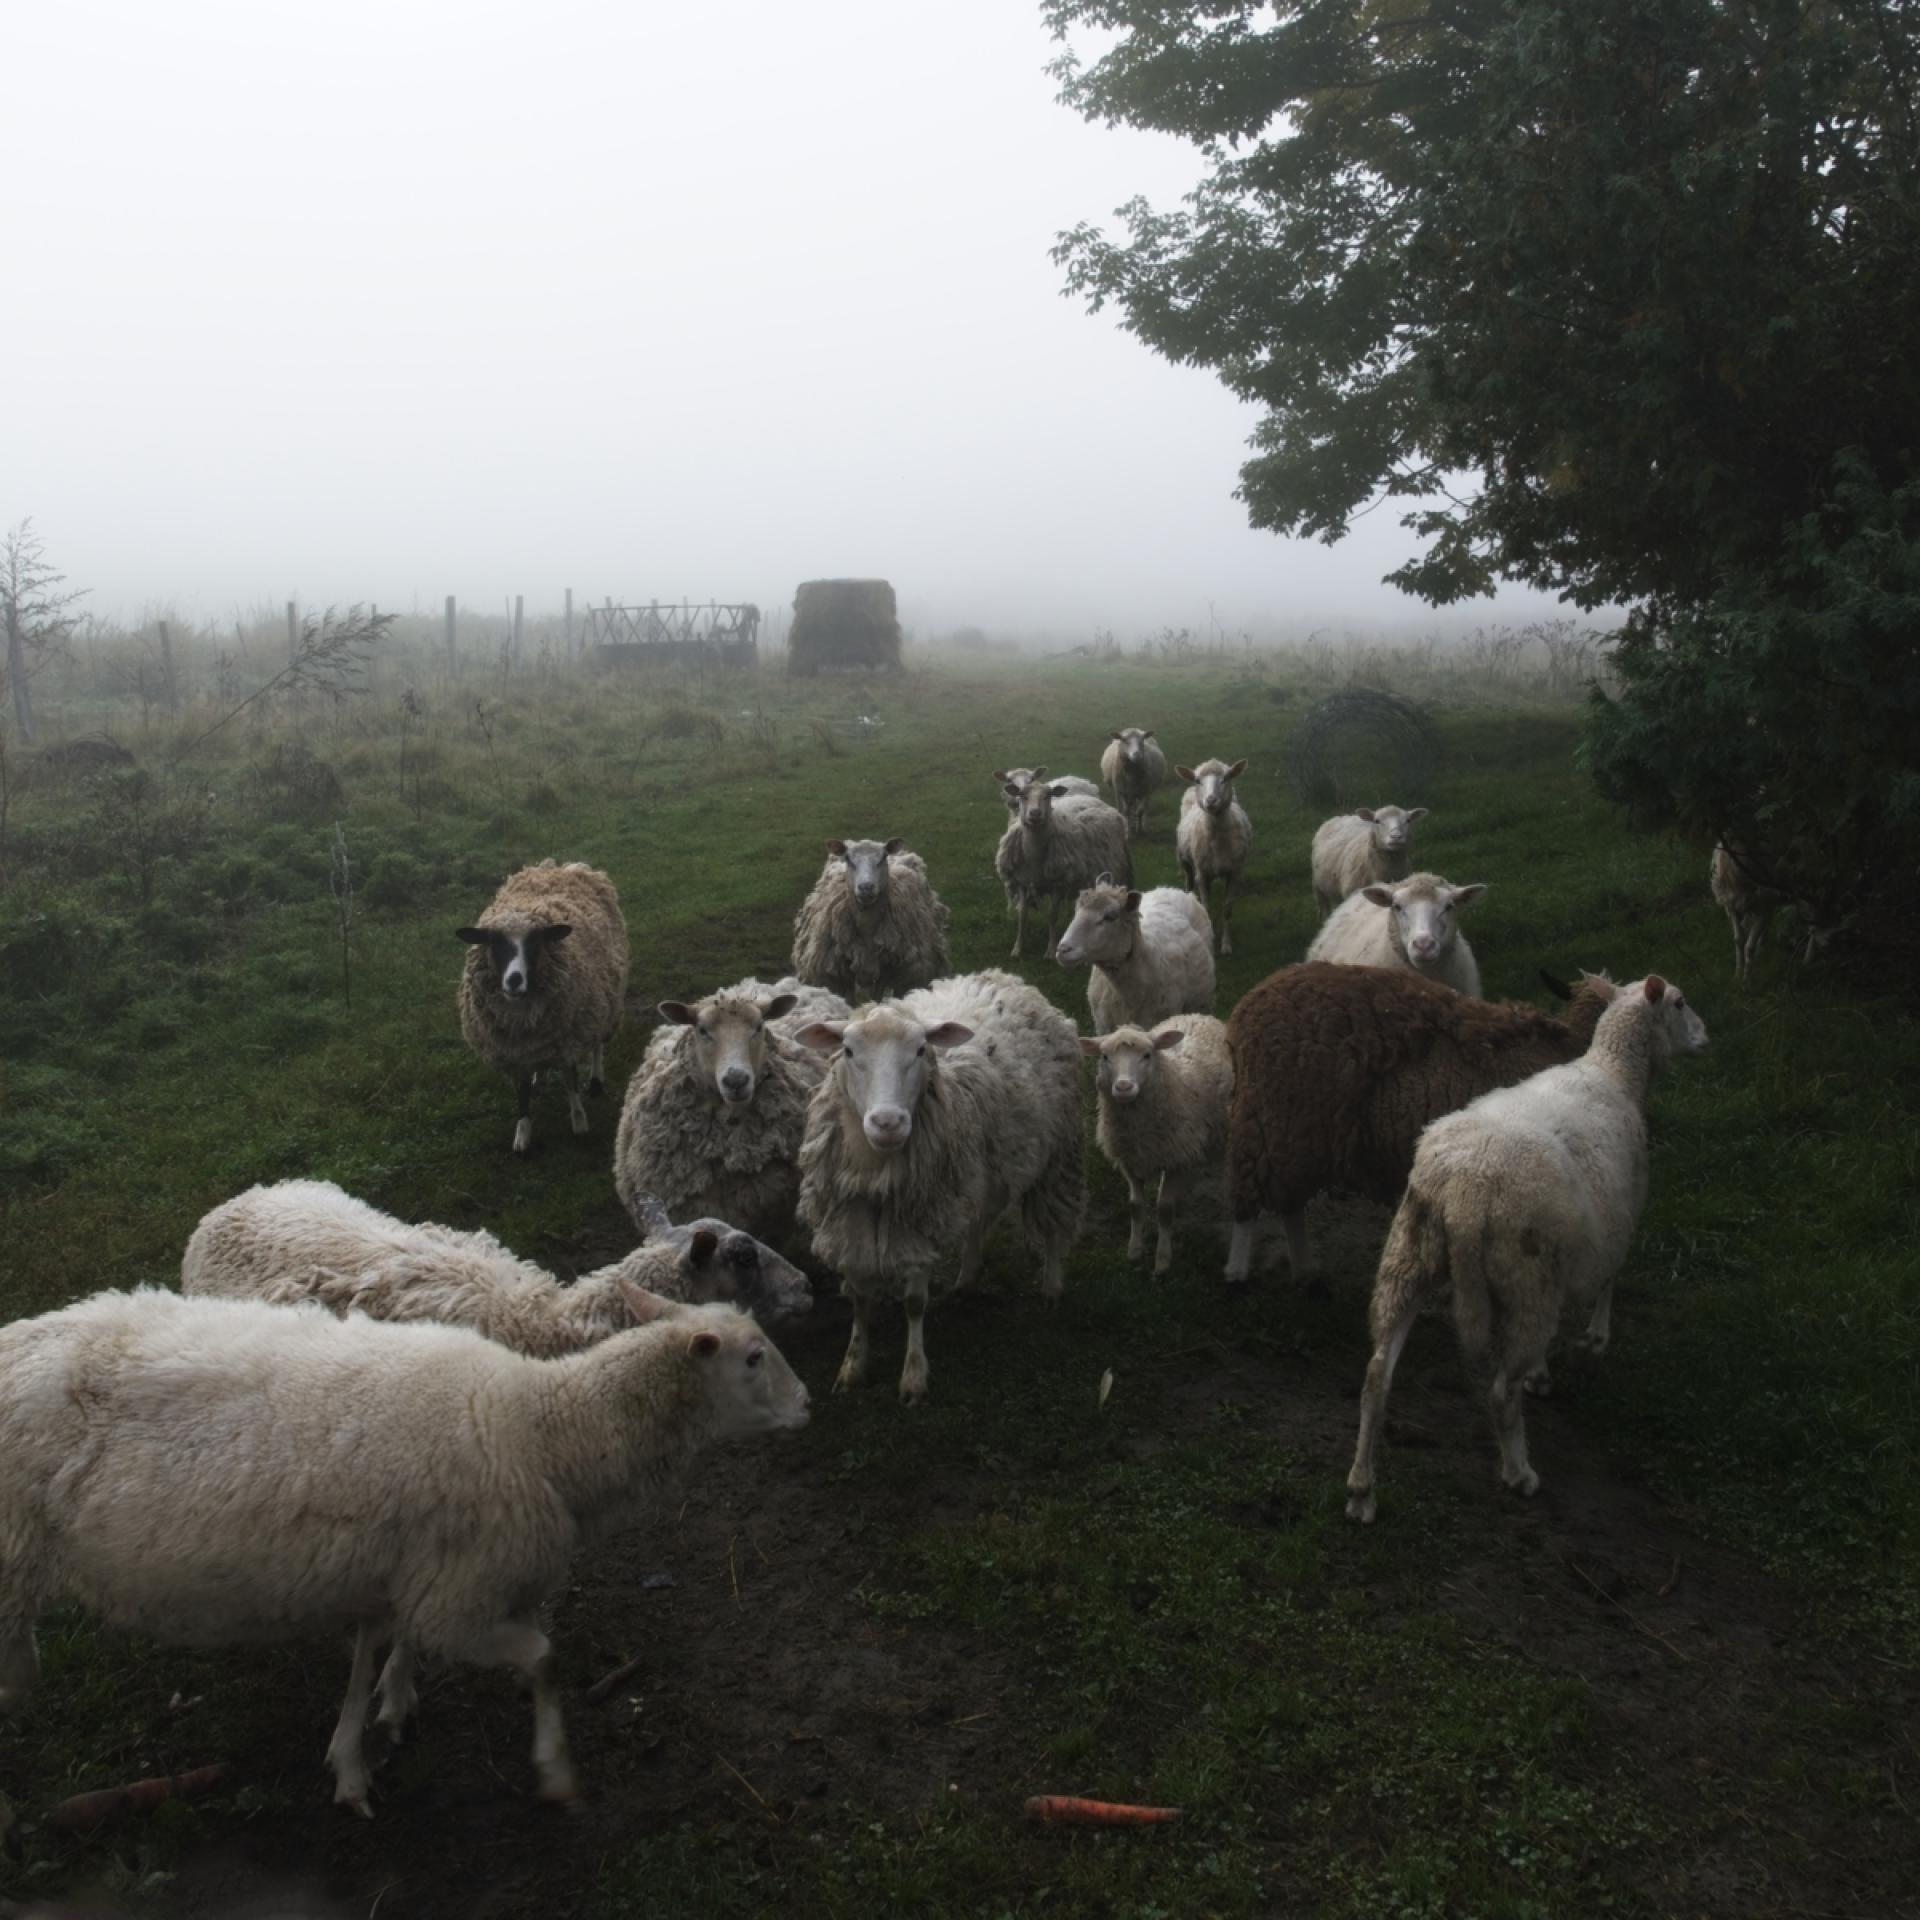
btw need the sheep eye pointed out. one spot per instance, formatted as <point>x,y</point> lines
<point>1110,916</point>
<point>753,1358</point>
<point>923,1048</point>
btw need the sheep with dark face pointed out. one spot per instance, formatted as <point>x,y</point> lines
<point>873,924</point>
<point>1369,846</point>
<point>1213,836</point>
<point>1134,768</point>
<point>545,984</point>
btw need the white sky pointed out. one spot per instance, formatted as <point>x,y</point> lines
<point>386,299</point>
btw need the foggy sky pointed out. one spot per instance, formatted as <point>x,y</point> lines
<point>389,299</point>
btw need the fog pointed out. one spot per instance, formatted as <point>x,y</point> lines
<point>374,302</point>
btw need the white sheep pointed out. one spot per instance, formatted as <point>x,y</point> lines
<point>1058,843</point>
<point>1164,1099</point>
<point>545,983</point>
<point>873,924</point>
<point>714,1114</point>
<point>1213,836</point>
<point>213,1472</point>
<point>1151,954</point>
<point>1133,768</point>
<point>942,1111</point>
<point>1370,845</point>
<point>1410,925</point>
<point>307,1240</point>
<point>1013,783</point>
<point>1521,1204</point>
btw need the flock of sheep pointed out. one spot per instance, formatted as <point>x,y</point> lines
<point>343,1418</point>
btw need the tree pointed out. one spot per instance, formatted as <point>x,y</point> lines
<point>1647,272</point>
<point>38,623</point>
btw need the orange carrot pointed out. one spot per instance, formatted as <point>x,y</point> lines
<point>1097,1813</point>
<point>86,1811</point>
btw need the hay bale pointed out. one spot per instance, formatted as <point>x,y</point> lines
<point>1361,744</point>
<point>79,759</point>
<point>843,623</point>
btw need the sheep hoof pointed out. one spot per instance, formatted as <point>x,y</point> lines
<point>847,1379</point>
<point>913,1388</point>
<point>1163,1266</point>
<point>1361,1507</point>
<point>1539,1383</point>
<point>577,1112</point>
<point>557,1782</point>
<point>523,1136</point>
<point>1237,1285</point>
<point>352,1793</point>
<point>1526,1484</point>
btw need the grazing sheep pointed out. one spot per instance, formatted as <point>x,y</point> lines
<point>1336,1070</point>
<point>1517,1206</point>
<point>1151,954</point>
<point>1132,767</point>
<point>212,1472</point>
<point>1409,925</point>
<point>1367,846</point>
<point>1163,1110</point>
<point>307,1240</point>
<point>715,1111</point>
<point>941,1112</point>
<point>1213,835</point>
<point>873,924</point>
<point>545,983</point>
<point>1057,844</point>
<point>1013,783</point>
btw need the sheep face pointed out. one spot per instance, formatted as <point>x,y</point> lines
<point>1036,803</point>
<point>720,1263</point>
<point>1133,744</point>
<point>729,1040</point>
<point>1106,923</point>
<point>1127,1057</point>
<point>1214,779</point>
<point>1421,916</point>
<point>866,867</point>
<point>884,1061</point>
<point>749,1385</point>
<point>1013,783</point>
<point>1678,1030</point>
<point>1392,826</point>
<point>514,953</point>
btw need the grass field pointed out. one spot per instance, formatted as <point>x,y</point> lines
<point>1681,1681</point>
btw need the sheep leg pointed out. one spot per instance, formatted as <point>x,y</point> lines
<point>972,1250</point>
<point>1136,1219</point>
<point>1226,915</point>
<point>1019,925</point>
<point>344,1753</point>
<point>853,1369</point>
<point>1053,1279</point>
<point>1172,1186</point>
<point>597,1070</point>
<point>1053,915</point>
<point>1510,1430</point>
<point>576,1107</point>
<point>521,1644</point>
<point>1361,1504</point>
<point>1240,1247</point>
<point>1300,1254</point>
<point>398,1700</point>
<point>19,1660</point>
<point>1599,1333</point>
<point>913,1370</point>
<point>523,1124</point>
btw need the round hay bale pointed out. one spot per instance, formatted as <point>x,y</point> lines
<point>843,623</point>
<point>1360,744</point>
<point>76,759</point>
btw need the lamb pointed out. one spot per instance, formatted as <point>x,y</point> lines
<point>1213,835</point>
<point>1151,954</point>
<point>211,1472</point>
<point>1058,843</point>
<point>1013,783</point>
<point>873,924</point>
<point>1132,767</point>
<point>307,1240</point>
<point>1337,1069</point>
<point>942,1111</point>
<point>1408,925</point>
<point>714,1114</point>
<point>1367,846</point>
<point>1163,1109</point>
<point>545,983</point>
<point>1519,1205</point>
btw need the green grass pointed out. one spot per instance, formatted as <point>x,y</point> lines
<point>1185,1613</point>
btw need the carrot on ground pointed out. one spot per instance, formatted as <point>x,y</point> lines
<point>86,1811</point>
<point>1097,1813</point>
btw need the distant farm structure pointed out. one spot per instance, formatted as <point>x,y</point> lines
<point>712,634</point>
<point>843,623</point>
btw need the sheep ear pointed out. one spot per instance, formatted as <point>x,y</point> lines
<point>1148,735</point>
<point>1363,813</point>
<point>838,848</point>
<point>1236,770</point>
<point>642,1305</point>
<point>894,845</point>
<point>558,931</point>
<point>1091,1048</point>
<point>1166,1038</point>
<point>1653,987</point>
<point>1039,773</point>
<point>1184,773</point>
<point>704,1344</point>
<point>1000,774</point>
<point>473,936</point>
<point>1133,901</point>
<point>779,1004</point>
<point>1466,896</point>
<point>676,1013</point>
<point>949,1033</point>
<point>1116,734</point>
<point>1380,896</point>
<point>822,1036</point>
<point>702,1247</point>
<point>1059,793</point>
<point>1415,813</point>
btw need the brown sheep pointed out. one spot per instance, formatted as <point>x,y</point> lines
<point>1337,1070</point>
